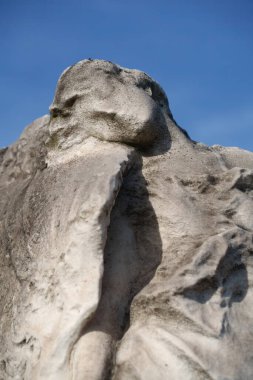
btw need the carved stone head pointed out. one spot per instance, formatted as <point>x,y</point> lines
<point>100,99</point>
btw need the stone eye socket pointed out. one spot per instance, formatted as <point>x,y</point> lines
<point>65,110</point>
<point>148,90</point>
<point>154,92</point>
<point>54,112</point>
<point>158,95</point>
<point>70,102</point>
<point>146,86</point>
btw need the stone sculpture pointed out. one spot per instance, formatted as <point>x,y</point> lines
<point>126,247</point>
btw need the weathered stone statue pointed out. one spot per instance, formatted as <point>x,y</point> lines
<point>126,247</point>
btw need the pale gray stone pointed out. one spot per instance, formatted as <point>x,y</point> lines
<point>126,247</point>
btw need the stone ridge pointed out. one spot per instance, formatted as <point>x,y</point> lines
<point>126,248</point>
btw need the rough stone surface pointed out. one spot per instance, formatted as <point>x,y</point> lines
<point>126,247</point>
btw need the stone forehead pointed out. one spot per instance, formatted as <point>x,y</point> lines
<point>75,78</point>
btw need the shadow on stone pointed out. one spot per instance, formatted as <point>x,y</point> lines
<point>230,276</point>
<point>133,252</point>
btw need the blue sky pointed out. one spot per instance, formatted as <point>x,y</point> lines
<point>200,51</point>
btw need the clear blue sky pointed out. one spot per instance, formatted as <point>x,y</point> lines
<point>200,51</point>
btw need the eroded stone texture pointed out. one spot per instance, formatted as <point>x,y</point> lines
<point>126,248</point>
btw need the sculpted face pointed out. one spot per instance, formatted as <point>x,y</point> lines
<point>103,100</point>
